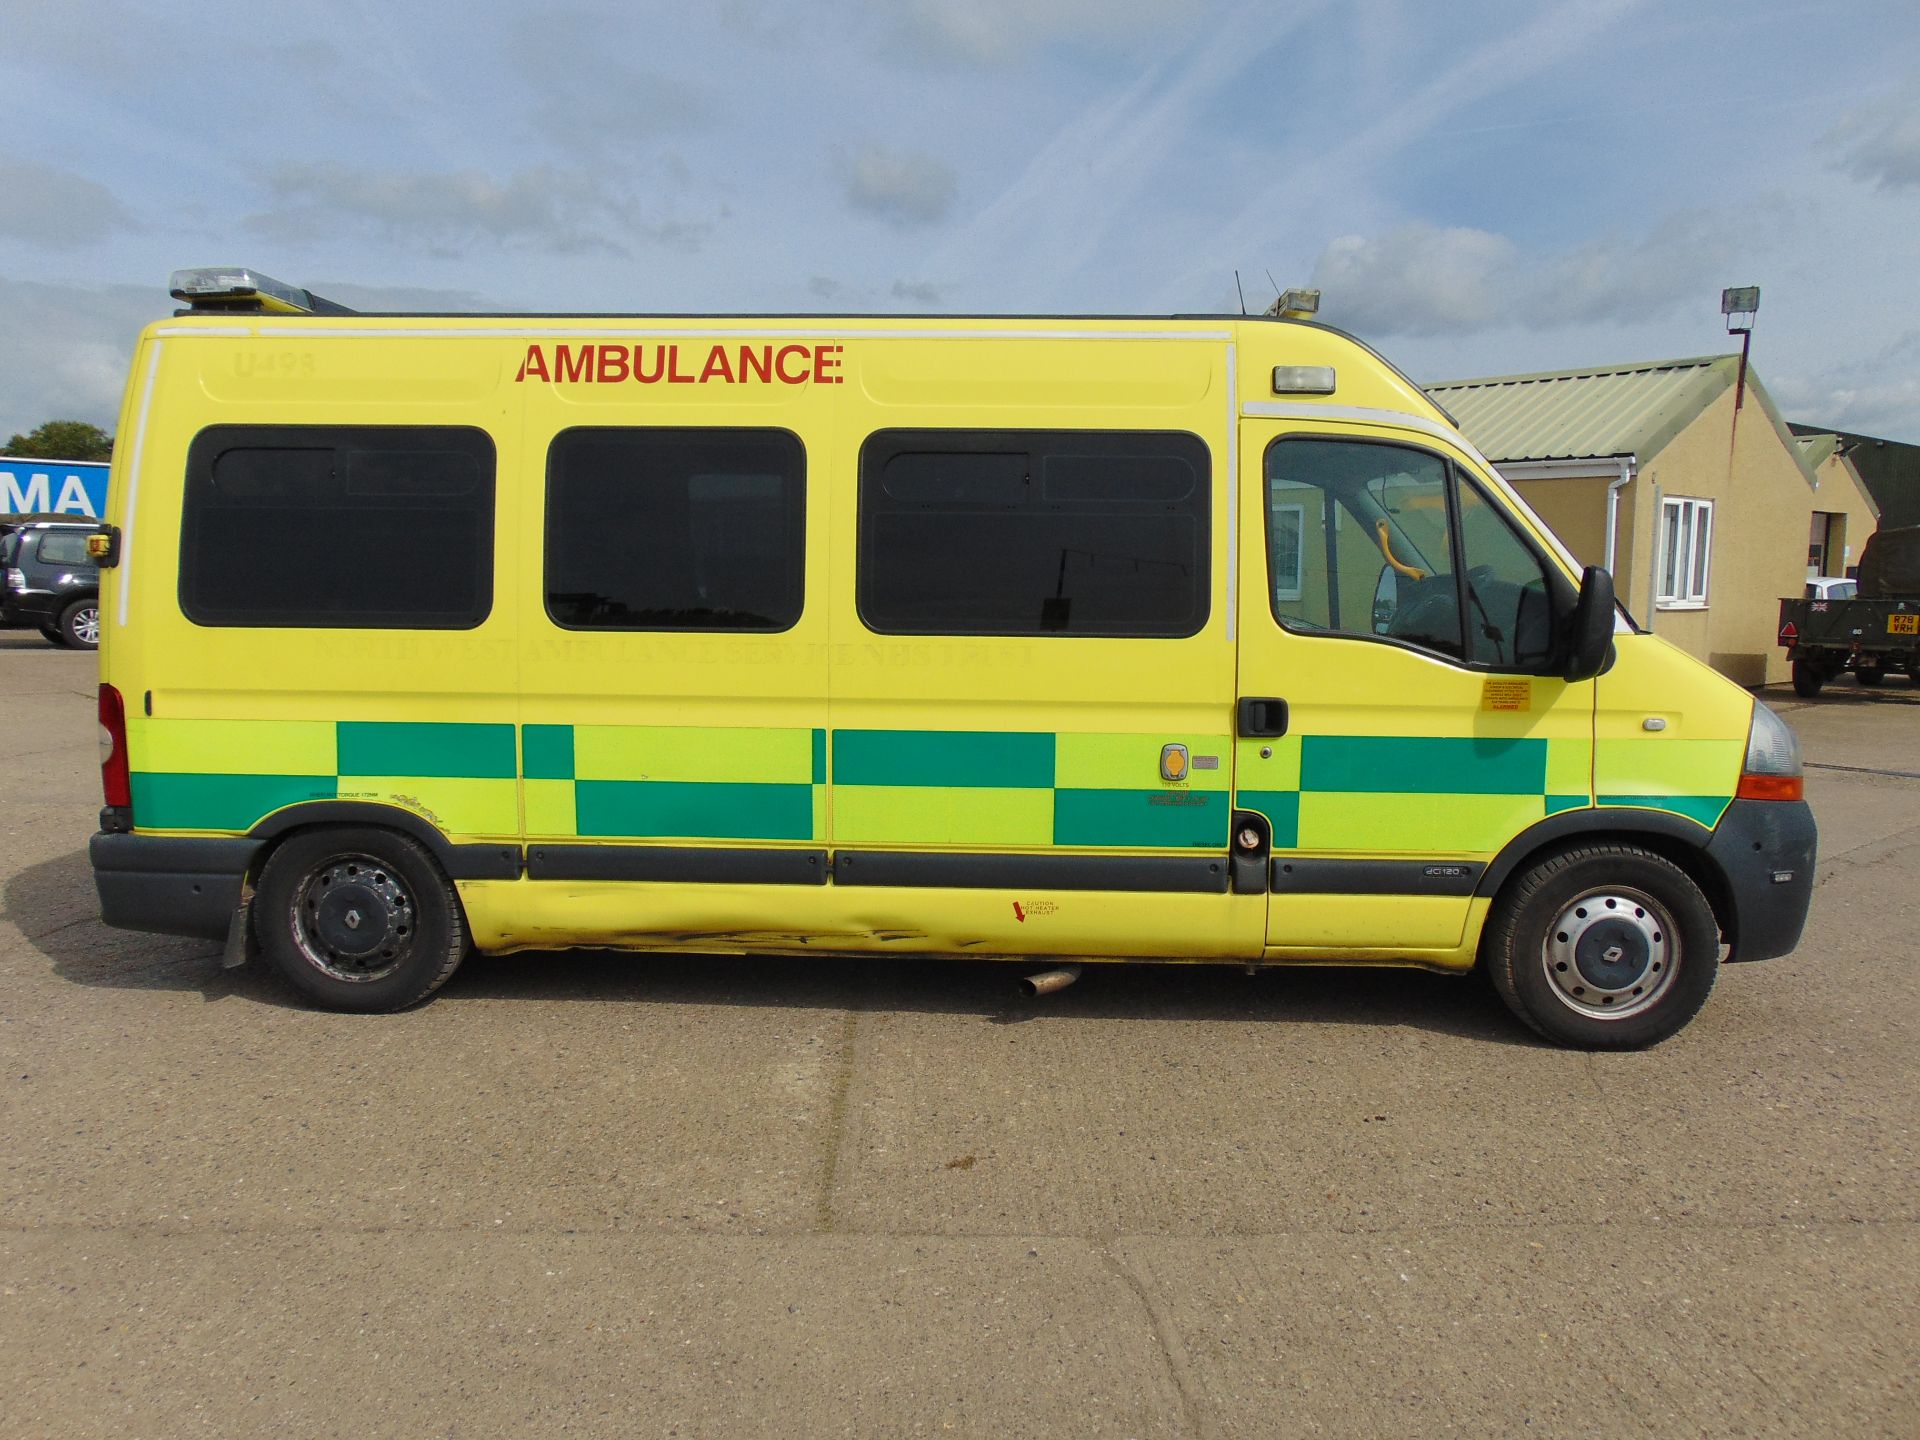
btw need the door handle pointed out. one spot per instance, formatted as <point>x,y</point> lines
<point>1263,715</point>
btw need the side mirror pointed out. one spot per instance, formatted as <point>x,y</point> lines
<point>1590,630</point>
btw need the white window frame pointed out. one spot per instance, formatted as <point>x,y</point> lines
<point>1685,553</point>
<point>1281,590</point>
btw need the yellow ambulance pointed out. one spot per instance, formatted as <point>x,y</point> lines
<point>1062,639</point>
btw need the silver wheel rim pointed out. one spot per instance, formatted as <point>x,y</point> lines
<point>353,919</point>
<point>1611,953</point>
<point>86,626</point>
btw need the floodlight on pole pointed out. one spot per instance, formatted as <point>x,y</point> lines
<point>1740,303</point>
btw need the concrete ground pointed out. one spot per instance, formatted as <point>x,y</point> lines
<point>610,1195</point>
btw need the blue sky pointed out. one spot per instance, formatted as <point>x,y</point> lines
<point>1480,188</point>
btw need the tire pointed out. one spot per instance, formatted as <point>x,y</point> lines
<point>1808,677</point>
<point>80,625</point>
<point>1869,674</point>
<point>1605,947</point>
<point>358,918</point>
<point>52,632</point>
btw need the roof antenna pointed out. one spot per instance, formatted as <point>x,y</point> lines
<point>1243,293</point>
<point>1275,283</point>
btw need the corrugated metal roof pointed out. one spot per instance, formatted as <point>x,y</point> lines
<point>1589,413</point>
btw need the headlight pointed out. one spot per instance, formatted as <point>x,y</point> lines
<point>1773,768</point>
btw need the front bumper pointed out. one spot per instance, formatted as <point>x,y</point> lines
<point>170,885</point>
<point>1766,850</point>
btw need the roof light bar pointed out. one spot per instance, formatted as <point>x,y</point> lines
<point>229,287</point>
<point>1296,304</point>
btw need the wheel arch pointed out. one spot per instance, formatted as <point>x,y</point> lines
<point>484,861</point>
<point>1680,841</point>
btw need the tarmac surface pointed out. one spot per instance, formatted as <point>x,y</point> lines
<point>613,1195</point>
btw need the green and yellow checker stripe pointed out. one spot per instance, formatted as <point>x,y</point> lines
<point>1694,778</point>
<point>1013,789</point>
<point>669,782</point>
<point>230,774</point>
<point>1412,794</point>
<point>1025,789</point>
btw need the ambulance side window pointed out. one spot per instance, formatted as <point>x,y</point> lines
<point>1359,543</point>
<point>1395,544</point>
<point>670,528</point>
<point>338,526</point>
<point>1509,606</point>
<point>1034,532</point>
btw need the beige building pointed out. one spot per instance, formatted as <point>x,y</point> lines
<point>1844,512</point>
<point>1696,496</point>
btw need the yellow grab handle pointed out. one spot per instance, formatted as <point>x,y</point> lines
<point>1410,571</point>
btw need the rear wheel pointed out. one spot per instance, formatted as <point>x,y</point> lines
<point>359,919</point>
<point>80,624</point>
<point>52,632</point>
<point>1608,947</point>
<point>1808,677</point>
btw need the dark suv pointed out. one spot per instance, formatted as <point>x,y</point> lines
<point>51,584</point>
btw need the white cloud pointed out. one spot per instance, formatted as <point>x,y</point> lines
<point>56,208</point>
<point>1877,394</point>
<point>992,32</point>
<point>1422,279</point>
<point>1881,142</point>
<point>904,187</point>
<point>68,349</point>
<point>588,96</point>
<point>447,212</point>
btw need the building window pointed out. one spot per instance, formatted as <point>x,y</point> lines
<point>1026,532</point>
<point>675,529</point>
<point>338,526</point>
<point>1686,543</point>
<point>1289,524</point>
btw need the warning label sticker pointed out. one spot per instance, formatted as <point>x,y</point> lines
<point>1507,694</point>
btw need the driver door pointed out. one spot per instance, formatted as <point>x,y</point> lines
<point>1404,616</point>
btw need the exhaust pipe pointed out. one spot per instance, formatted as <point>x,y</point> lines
<point>1048,981</point>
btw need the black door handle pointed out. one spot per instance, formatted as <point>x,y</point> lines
<point>1263,715</point>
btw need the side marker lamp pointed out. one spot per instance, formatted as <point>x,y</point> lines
<point>1303,379</point>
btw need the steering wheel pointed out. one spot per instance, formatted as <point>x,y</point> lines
<point>1431,614</point>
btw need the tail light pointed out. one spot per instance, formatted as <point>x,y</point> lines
<point>1789,635</point>
<point>115,782</point>
<point>1773,769</point>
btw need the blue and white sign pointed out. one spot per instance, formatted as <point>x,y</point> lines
<point>54,487</point>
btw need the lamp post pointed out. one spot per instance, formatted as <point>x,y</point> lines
<point>1740,304</point>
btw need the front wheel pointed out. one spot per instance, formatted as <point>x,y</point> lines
<point>1808,677</point>
<point>1607,947</point>
<point>358,918</point>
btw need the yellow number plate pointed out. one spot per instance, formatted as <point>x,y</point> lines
<point>1903,624</point>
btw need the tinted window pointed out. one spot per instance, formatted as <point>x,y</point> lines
<point>967,532</point>
<point>1362,539</point>
<point>1358,542</point>
<point>63,547</point>
<point>1509,612</point>
<point>363,526</point>
<point>670,529</point>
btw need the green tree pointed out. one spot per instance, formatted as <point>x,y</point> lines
<point>62,440</point>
